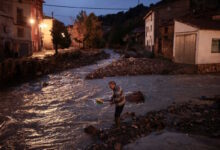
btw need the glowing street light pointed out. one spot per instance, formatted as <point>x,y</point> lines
<point>31,21</point>
<point>63,35</point>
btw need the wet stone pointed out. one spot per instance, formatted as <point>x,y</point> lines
<point>135,97</point>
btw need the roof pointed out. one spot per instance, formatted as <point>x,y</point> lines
<point>201,22</point>
<point>148,13</point>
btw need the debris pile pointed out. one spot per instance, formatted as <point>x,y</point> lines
<point>141,66</point>
<point>201,118</point>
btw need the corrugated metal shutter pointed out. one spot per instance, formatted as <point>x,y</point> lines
<point>185,48</point>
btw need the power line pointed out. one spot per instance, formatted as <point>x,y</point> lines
<point>75,7</point>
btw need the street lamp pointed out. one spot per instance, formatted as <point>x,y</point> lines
<point>31,21</point>
<point>63,35</point>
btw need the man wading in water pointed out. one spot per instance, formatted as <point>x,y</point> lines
<point>118,99</point>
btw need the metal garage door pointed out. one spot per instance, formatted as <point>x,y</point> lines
<point>185,48</point>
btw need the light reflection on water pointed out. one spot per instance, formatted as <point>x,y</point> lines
<point>33,116</point>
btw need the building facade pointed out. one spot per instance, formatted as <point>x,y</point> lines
<point>197,41</point>
<point>149,30</point>
<point>37,16</point>
<point>19,22</point>
<point>164,13</point>
<point>46,28</point>
<point>159,25</point>
<point>6,29</point>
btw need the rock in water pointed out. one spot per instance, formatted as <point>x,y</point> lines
<point>135,97</point>
<point>91,130</point>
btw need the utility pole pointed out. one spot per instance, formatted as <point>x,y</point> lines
<point>138,2</point>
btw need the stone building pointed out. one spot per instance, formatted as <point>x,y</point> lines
<point>159,22</point>
<point>6,29</point>
<point>19,25</point>
<point>37,16</point>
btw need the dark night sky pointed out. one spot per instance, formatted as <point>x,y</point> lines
<point>67,15</point>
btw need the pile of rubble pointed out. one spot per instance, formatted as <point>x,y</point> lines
<point>141,66</point>
<point>201,118</point>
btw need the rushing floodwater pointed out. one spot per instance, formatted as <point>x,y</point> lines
<point>37,117</point>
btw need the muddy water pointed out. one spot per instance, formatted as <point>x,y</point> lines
<point>52,117</point>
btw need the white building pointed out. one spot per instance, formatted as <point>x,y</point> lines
<point>196,41</point>
<point>149,30</point>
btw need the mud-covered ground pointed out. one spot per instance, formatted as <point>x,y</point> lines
<point>197,118</point>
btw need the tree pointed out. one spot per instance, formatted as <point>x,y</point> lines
<point>93,37</point>
<point>79,28</point>
<point>60,36</point>
<point>87,30</point>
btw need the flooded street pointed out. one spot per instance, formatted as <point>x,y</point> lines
<point>52,117</point>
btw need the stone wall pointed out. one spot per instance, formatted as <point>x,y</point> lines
<point>208,68</point>
<point>19,70</point>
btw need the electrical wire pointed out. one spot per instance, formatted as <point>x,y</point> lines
<point>76,7</point>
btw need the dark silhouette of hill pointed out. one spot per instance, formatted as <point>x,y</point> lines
<point>122,23</point>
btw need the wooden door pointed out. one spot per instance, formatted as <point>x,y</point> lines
<point>185,48</point>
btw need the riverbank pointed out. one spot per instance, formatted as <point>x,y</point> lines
<point>13,71</point>
<point>194,118</point>
<point>141,66</point>
<point>147,66</point>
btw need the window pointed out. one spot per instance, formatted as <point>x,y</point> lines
<point>20,32</point>
<point>147,29</point>
<point>20,18</point>
<point>2,7</point>
<point>166,30</point>
<point>215,45</point>
<point>5,30</point>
